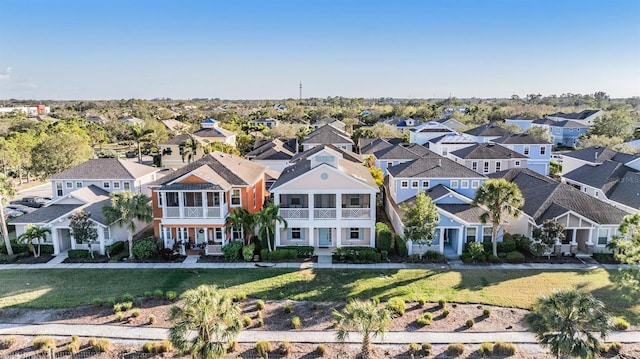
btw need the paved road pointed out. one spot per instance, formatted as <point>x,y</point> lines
<point>43,190</point>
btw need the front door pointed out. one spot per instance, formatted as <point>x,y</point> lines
<point>324,237</point>
<point>200,235</point>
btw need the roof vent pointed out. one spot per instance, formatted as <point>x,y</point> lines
<point>439,162</point>
<point>596,156</point>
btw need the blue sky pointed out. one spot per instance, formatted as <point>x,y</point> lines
<point>98,49</point>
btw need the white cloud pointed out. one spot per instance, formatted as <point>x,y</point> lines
<point>5,74</point>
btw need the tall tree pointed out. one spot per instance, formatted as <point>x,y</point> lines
<point>627,248</point>
<point>209,313</point>
<point>266,220</point>
<point>189,149</point>
<point>33,237</point>
<point>126,208</point>
<point>58,152</point>
<point>83,229</point>
<point>541,133</point>
<point>566,321</point>
<point>618,123</point>
<point>140,135</point>
<point>366,319</point>
<point>549,234</point>
<point>6,191</point>
<point>241,219</point>
<point>501,199</point>
<point>420,220</point>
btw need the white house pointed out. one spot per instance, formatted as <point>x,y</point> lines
<point>428,130</point>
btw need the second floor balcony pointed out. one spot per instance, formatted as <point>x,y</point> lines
<point>325,206</point>
<point>193,205</point>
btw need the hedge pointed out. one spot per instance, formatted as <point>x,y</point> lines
<point>401,246</point>
<point>383,237</point>
<point>278,255</point>
<point>115,248</point>
<point>231,251</point>
<point>302,251</point>
<point>78,253</point>
<point>515,257</point>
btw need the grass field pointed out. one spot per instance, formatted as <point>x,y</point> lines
<point>513,288</point>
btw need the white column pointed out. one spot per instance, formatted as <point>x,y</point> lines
<point>312,236</point>
<point>460,239</point>
<point>311,204</point>
<point>338,237</point>
<point>590,240</point>
<point>180,203</point>
<point>101,240</point>
<point>338,206</point>
<point>276,235</point>
<point>204,204</point>
<point>372,236</point>
<point>573,237</point>
<point>372,206</point>
<point>441,239</point>
<point>54,239</point>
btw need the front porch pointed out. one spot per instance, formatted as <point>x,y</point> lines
<point>325,237</point>
<point>207,238</point>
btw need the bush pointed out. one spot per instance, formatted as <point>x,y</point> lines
<point>8,342</point>
<point>117,308</point>
<point>43,343</point>
<point>278,255</point>
<point>445,313</point>
<point>287,308</point>
<point>494,259</point>
<point>113,249</point>
<point>515,257</point>
<point>135,313</point>
<point>485,349</point>
<point>119,317</point>
<point>111,301</point>
<point>433,256</point>
<point>260,304</point>
<point>414,348</point>
<point>102,345</point>
<point>396,306</point>
<point>422,301</point>
<point>126,306</point>
<point>78,253</point>
<point>158,294</point>
<point>506,246</point>
<point>475,249</point>
<point>295,323</point>
<point>426,348</point>
<point>383,237</point>
<point>148,347</point>
<point>425,319</point>
<point>401,246</point>
<point>263,348</point>
<point>504,349</point>
<point>384,255</point>
<point>524,245</point>
<point>171,295</point>
<point>285,348</point>
<point>620,323</point>
<point>301,251</point>
<point>119,257</point>
<point>247,252</point>
<point>486,312</point>
<point>369,255</point>
<point>127,297</point>
<point>442,303</point>
<point>260,322</point>
<point>615,348</point>
<point>246,321</point>
<point>233,346</point>
<point>144,249</point>
<point>454,350</point>
<point>321,349</point>
<point>92,341</point>
<point>74,345</point>
<point>466,258</point>
<point>469,323</point>
<point>231,251</point>
<point>148,294</point>
<point>152,319</point>
<point>97,302</point>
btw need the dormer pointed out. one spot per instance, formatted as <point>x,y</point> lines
<point>327,156</point>
<point>209,123</point>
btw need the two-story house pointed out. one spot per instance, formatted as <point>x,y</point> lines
<point>328,201</point>
<point>487,132</point>
<point>586,117</point>
<point>333,122</point>
<point>265,121</point>
<point>400,153</point>
<point>450,142</point>
<point>275,154</point>
<point>426,131</point>
<point>452,123</point>
<point>487,158</point>
<point>537,151</point>
<point>565,133</point>
<point>328,135</point>
<point>191,205</point>
<point>523,122</point>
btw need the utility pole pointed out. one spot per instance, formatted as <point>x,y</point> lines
<point>301,91</point>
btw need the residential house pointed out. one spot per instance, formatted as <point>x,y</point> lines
<point>403,124</point>
<point>450,142</point>
<point>589,222</point>
<point>537,151</point>
<point>328,135</point>
<point>176,127</point>
<point>132,121</point>
<point>586,117</point>
<point>266,121</point>
<point>334,122</point>
<point>565,133</point>
<point>487,158</point>
<point>400,153</point>
<point>452,123</point>
<point>523,122</point>
<point>327,199</point>
<point>451,110</point>
<point>99,119</point>
<point>191,205</point>
<point>275,154</point>
<point>487,132</point>
<point>368,146</point>
<point>428,130</point>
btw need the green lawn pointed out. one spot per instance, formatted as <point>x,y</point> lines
<point>513,288</point>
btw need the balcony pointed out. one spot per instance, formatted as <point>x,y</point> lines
<point>356,213</point>
<point>294,213</point>
<point>192,212</point>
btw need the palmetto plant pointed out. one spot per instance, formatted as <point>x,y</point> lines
<point>364,318</point>
<point>127,207</point>
<point>266,220</point>
<point>33,237</point>
<point>140,135</point>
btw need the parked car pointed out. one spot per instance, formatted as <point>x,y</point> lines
<point>19,208</point>
<point>31,201</point>
<point>131,154</point>
<point>11,213</point>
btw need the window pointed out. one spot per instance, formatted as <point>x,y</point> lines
<point>296,233</point>
<point>389,164</point>
<point>425,184</point>
<point>486,234</point>
<point>571,130</point>
<point>543,150</point>
<point>454,183</point>
<point>464,184</point>
<point>471,234</point>
<point>235,198</point>
<point>255,202</point>
<point>59,188</point>
<point>517,163</point>
<point>106,184</point>
<point>106,233</point>
<point>126,186</point>
<point>414,184</point>
<point>116,185</point>
<point>354,234</point>
<point>160,199</point>
<point>486,167</point>
<point>172,199</point>
<point>69,184</point>
<point>404,184</point>
<point>596,193</point>
<point>236,234</point>
<point>218,234</point>
<point>354,201</point>
<point>324,158</point>
<point>444,151</point>
<point>498,166</point>
<point>78,184</point>
<point>474,166</point>
<point>584,189</point>
<point>526,150</point>
<point>603,236</point>
<point>475,184</point>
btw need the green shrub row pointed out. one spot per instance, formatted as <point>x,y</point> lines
<point>278,255</point>
<point>231,251</point>
<point>302,251</point>
<point>383,237</point>
<point>78,253</point>
<point>115,248</point>
<point>401,246</point>
<point>144,249</point>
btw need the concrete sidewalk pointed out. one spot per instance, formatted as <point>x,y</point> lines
<point>251,336</point>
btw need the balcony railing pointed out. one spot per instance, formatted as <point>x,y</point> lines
<point>356,213</point>
<point>324,213</point>
<point>294,213</point>
<point>192,212</point>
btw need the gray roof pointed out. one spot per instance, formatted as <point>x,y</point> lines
<point>593,154</point>
<point>575,115</point>
<point>466,212</point>
<point>488,130</point>
<point>292,171</point>
<point>177,140</point>
<point>627,191</point>
<point>105,169</point>
<point>404,151</point>
<point>603,177</point>
<point>452,138</point>
<point>272,150</point>
<point>625,157</point>
<point>371,145</point>
<point>191,187</point>
<point>353,169</point>
<point>46,214</point>
<point>96,211</point>
<point>523,177</point>
<point>327,135</point>
<point>431,126</point>
<point>437,191</point>
<point>486,151</point>
<point>347,155</point>
<point>432,167</point>
<point>562,123</point>
<point>520,118</point>
<point>519,139</point>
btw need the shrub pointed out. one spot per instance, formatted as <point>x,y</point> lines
<point>619,323</point>
<point>486,349</point>
<point>524,245</point>
<point>74,345</point>
<point>469,323</point>
<point>445,313</point>
<point>102,345</point>
<point>158,294</point>
<point>422,301</point>
<point>43,343</point>
<point>396,306</point>
<point>148,347</point>
<point>442,303</point>
<point>506,246</point>
<point>171,295</point>
<point>148,294</point>
<point>117,308</point>
<point>263,348</point>
<point>295,323</point>
<point>119,316</point>
<point>384,255</point>
<point>233,346</point>
<point>115,248</point>
<point>493,259</point>
<point>287,308</point>
<point>247,252</point>
<point>144,249</point>
<point>615,348</point>
<point>454,350</point>
<point>466,258</point>
<point>135,313</point>
<point>414,348</point>
<point>97,302</point>
<point>152,319</point>
<point>127,298</point>
<point>401,246</point>
<point>285,348</point>
<point>426,348</point>
<point>240,296</point>
<point>515,257</point>
<point>78,253</point>
<point>231,251</point>
<point>92,341</point>
<point>126,306</point>
<point>383,237</point>
<point>246,321</point>
<point>301,251</point>
<point>486,312</point>
<point>475,249</point>
<point>260,304</point>
<point>8,342</point>
<point>433,256</point>
<point>504,349</point>
<point>321,349</point>
<point>260,322</point>
<point>425,319</point>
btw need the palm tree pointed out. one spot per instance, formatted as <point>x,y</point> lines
<point>139,135</point>
<point>500,198</point>
<point>34,234</point>
<point>266,219</point>
<point>364,318</point>
<point>6,191</point>
<point>127,208</point>
<point>241,218</point>
<point>214,318</point>
<point>189,149</point>
<point>566,322</point>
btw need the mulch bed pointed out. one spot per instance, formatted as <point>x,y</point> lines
<point>44,258</point>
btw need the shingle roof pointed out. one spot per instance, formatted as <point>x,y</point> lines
<point>594,154</point>
<point>431,126</point>
<point>519,118</point>
<point>625,157</point>
<point>523,176</point>
<point>191,187</point>
<point>272,150</point>
<point>45,214</point>
<point>452,138</point>
<point>353,157</point>
<point>488,130</point>
<point>96,211</point>
<point>466,212</point>
<point>90,194</point>
<point>177,140</point>
<point>562,123</point>
<point>437,191</point>
<point>327,135</point>
<point>353,169</point>
<point>575,115</point>
<point>487,151</point>
<point>519,139</point>
<point>105,168</point>
<point>212,133</point>
<point>432,167</point>
<point>404,151</point>
<point>627,191</point>
<point>604,176</point>
<point>376,144</point>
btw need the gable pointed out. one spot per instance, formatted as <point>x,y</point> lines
<point>325,178</point>
<point>192,178</point>
<point>451,199</point>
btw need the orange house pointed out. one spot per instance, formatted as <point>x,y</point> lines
<point>191,205</point>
